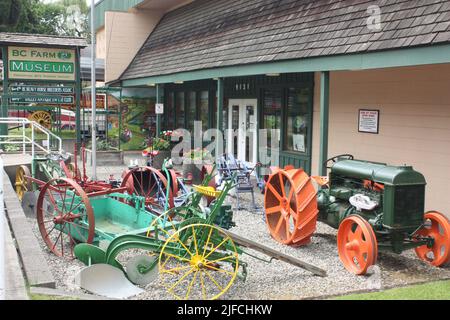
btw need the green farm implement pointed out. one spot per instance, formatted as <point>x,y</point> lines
<point>189,245</point>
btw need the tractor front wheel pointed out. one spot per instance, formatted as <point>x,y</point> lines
<point>357,245</point>
<point>437,227</point>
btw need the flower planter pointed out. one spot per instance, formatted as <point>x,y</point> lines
<point>192,169</point>
<point>158,160</point>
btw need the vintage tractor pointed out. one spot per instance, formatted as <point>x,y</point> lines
<point>374,206</point>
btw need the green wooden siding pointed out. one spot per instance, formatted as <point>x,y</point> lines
<point>112,5</point>
<point>250,88</point>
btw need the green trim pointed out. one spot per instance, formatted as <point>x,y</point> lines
<point>363,61</point>
<point>219,115</point>
<point>158,116</point>
<point>324,120</point>
<point>78,97</point>
<point>111,5</point>
<point>5,93</point>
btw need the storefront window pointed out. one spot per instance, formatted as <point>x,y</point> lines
<point>170,111</point>
<point>191,111</point>
<point>180,107</point>
<point>271,113</point>
<point>298,117</point>
<point>204,109</point>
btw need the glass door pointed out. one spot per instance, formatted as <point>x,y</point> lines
<point>242,129</point>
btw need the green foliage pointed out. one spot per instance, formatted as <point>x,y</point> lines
<point>198,154</point>
<point>163,142</point>
<point>11,147</point>
<point>63,17</point>
<point>102,145</point>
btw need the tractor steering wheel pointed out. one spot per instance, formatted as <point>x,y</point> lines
<point>338,158</point>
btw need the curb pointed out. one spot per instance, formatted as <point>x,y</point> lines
<point>37,270</point>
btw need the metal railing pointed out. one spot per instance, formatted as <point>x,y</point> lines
<point>24,140</point>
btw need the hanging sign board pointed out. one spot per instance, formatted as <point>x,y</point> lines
<point>43,99</point>
<point>369,121</point>
<point>41,89</point>
<point>32,63</point>
<point>159,108</point>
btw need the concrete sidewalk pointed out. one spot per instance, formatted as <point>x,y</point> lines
<point>15,283</point>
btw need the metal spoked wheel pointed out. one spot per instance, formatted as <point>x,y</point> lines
<point>151,184</point>
<point>65,216</point>
<point>43,118</point>
<point>437,227</point>
<point>198,261</point>
<point>357,245</point>
<point>291,207</point>
<point>23,185</point>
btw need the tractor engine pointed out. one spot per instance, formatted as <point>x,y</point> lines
<point>391,199</point>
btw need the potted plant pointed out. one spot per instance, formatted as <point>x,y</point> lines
<point>161,148</point>
<point>193,162</point>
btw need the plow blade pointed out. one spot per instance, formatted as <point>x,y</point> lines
<point>107,281</point>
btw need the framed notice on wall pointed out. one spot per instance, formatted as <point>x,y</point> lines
<point>369,121</point>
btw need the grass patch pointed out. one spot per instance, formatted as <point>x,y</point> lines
<point>429,291</point>
<point>34,296</point>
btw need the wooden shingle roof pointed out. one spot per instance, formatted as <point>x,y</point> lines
<point>40,40</point>
<point>217,33</point>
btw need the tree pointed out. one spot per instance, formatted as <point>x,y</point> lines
<point>62,17</point>
<point>74,18</point>
<point>9,14</point>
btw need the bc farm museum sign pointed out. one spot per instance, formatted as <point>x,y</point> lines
<point>41,63</point>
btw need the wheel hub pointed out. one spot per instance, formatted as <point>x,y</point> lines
<point>198,262</point>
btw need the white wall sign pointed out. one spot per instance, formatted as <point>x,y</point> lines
<point>299,142</point>
<point>159,108</point>
<point>369,121</point>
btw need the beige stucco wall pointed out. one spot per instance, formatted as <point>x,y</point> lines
<point>124,34</point>
<point>414,122</point>
<point>100,43</point>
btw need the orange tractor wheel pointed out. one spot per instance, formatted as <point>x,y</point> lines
<point>291,207</point>
<point>437,226</point>
<point>357,245</point>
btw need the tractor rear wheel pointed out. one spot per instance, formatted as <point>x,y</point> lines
<point>437,227</point>
<point>357,245</point>
<point>291,207</point>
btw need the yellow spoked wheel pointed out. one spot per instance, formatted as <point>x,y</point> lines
<point>43,118</point>
<point>22,184</point>
<point>198,262</point>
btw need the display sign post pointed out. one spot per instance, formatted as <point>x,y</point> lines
<point>31,63</point>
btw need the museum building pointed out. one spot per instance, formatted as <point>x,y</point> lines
<point>368,78</point>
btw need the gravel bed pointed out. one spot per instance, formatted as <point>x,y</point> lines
<point>279,280</point>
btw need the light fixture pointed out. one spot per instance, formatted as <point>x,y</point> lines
<point>151,85</point>
<point>272,74</point>
<point>179,82</point>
